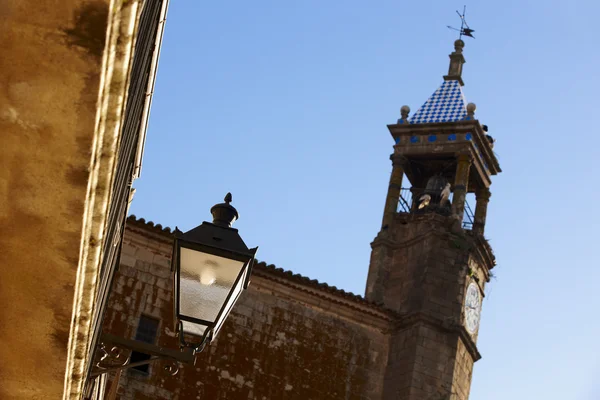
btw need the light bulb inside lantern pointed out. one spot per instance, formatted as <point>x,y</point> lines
<point>208,277</point>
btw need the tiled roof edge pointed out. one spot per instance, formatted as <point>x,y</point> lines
<point>141,222</point>
<point>314,284</point>
<point>273,270</point>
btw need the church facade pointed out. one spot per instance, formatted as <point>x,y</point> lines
<point>412,336</point>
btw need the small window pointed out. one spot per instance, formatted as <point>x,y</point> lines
<point>146,332</point>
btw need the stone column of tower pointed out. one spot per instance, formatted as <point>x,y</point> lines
<point>428,262</point>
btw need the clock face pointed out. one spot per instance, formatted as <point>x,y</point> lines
<point>472,308</point>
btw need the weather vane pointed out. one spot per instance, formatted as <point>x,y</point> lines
<point>464,28</point>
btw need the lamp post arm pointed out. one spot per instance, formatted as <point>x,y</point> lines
<point>101,370</point>
<point>185,355</point>
<point>113,359</point>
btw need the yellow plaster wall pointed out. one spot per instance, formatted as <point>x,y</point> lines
<point>50,69</point>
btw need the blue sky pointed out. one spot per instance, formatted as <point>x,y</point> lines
<point>285,104</point>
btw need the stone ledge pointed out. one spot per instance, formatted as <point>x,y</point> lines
<point>444,325</point>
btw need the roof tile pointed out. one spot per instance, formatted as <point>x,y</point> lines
<point>272,269</point>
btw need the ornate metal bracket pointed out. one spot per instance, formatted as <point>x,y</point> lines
<point>197,348</point>
<point>115,354</point>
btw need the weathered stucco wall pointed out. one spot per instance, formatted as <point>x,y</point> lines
<point>283,340</point>
<point>63,79</point>
<point>49,80</point>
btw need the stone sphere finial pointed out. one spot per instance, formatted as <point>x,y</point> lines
<point>404,110</point>
<point>458,45</point>
<point>471,107</point>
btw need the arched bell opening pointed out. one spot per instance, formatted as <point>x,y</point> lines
<point>435,197</point>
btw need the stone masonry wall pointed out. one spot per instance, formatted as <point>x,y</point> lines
<point>463,372</point>
<point>426,363</point>
<point>282,340</point>
<point>426,282</point>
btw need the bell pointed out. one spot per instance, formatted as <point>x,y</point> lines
<point>434,187</point>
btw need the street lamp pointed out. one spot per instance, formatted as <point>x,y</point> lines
<point>211,267</point>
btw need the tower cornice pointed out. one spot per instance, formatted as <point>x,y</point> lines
<point>444,139</point>
<point>445,325</point>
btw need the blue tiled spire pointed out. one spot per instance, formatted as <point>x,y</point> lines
<point>446,104</point>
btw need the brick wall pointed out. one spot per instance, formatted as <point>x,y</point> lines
<point>287,338</point>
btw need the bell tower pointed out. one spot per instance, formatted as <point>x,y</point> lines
<point>430,261</point>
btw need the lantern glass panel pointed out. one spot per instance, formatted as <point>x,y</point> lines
<point>205,281</point>
<point>239,287</point>
<point>192,328</point>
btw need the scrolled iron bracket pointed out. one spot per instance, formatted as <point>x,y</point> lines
<point>197,347</point>
<point>173,368</point>
<point>114,353</point>
<point>111,358</point>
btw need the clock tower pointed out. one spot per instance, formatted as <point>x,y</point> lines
<point>430,261</point>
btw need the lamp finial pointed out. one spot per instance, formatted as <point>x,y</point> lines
<point>224,214</point>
